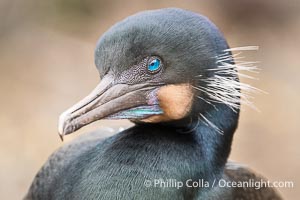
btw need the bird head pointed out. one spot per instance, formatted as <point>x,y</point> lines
<point>158,66</point>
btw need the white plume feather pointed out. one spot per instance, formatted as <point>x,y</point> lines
<point>224,87</point>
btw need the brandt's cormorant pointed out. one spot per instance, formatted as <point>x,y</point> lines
<point>171,72</point>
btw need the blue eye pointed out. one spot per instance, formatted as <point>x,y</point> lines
<point>154,65</point>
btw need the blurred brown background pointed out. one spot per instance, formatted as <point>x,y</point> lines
<point>46,65</point>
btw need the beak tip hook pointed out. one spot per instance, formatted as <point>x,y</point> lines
<point>61,137</point>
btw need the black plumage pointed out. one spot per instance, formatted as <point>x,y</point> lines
<point>152,65</point>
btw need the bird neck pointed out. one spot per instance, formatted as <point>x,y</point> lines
<point>213,130</point>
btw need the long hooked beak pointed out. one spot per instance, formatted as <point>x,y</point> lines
<point>111,101</point>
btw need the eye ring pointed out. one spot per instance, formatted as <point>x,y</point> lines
<point>154,65</point>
